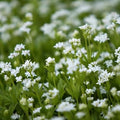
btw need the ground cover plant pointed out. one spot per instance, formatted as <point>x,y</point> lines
<point>60,60</point>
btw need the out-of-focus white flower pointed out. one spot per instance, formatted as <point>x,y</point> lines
<point>116,108</point>
<point>23,101</point>
<point>113,91</point>
<point>79,115</point>
<point>65,107</point>
<point>100,103</point>
<point>49,60</point>
<point>26,52</point>
<point>57,118</point>
<point>19,79</point>
<point>101,38</point>
<point>15,116</point>
<point>37,110</point>
<point>82,106</point>
<point>25,26</point>
<point>19,47</point>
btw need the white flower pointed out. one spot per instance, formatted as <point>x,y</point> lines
<point>100,103</point>
<point>48,106</point>
<point>93,67</point>
<point>108,63</point>
<point>57,118</point>
<point>27,83</point>
<point>111,26</point>
<point>113,91</point>
<point>5,67</point>
<point>15,116</point>
<point>12,55</point>
<point>59,45</point>
<point>109,115</point>
<point>72,65</point>
<point>118,20</point>
<point>102,90</point>
<point>90,98</point>
<point>30,102</point>
<point>101,38</point>
<point>80,115</point>
<point>48,29</point>
<point>69,99</point>
<point>39,118</point>
<point>30,99</point>
<point>26,52</point>
<point>82,106</point>
<point>116,108</point>
<point>91,20</point>
<point>60,13</point>
<point>49,60</point>
<point>6,77</point>
<point>51,94</point>
<point>117,53</point>
<point>65,107</point>
<point>19,79</point>
<point>14,72</point>
<point>89,91</point>
<point>84,27</point>
<point>19,47</point>
<point>75,42</point>
<point>118,93</point>
<point>37,110</point>
<point>29,15</point>
<point>25,26</point>
<point>23,101</point>
<point>104,76</point>
<point>28,65</point>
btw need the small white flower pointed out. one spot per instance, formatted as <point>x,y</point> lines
<point>109,115</point>
<point>104,77</point>
<point>113,91</point>
<point>6,77</point>
<point>89,91</point>
<point>15,116</point>
<point>26,52</point>
<point>118,93</point>
<point>25,26</point>
<point>48,106</point>
<point>37,110</point>
<point>49,60</point>
<point>118,20</point>
<point>12,55</point>
<point>69,99</point>
<point>82,106</point>
<point>30,99</point>
<point>23,101</point>
<point>39,118</point>
<point>101,38</point>
<point>19,47</point>
<point>75,42</point>
<point>100,103</point>
<point>27,83</point>
<point>90,98</point>
<point>108,63</point>
<point>59,45</point>
<point>19,79</point>
<point>57,118</point>
<point>80,115</point>
<point>51,93</point>
<point>116,108</point>
<point>84,27</point>
<point>65,107</point>
<point>29,15</point>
